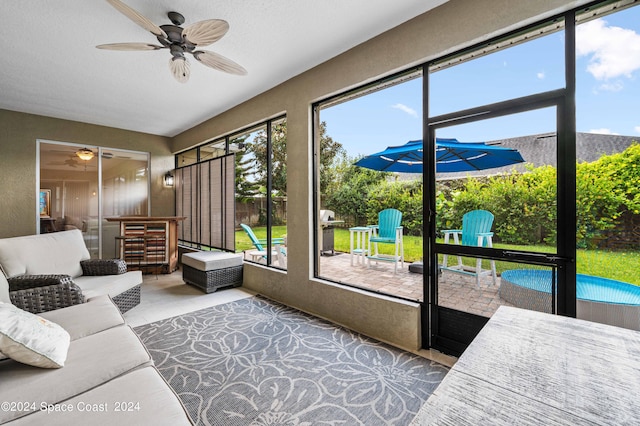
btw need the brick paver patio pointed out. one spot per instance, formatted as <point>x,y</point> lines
<point>456,291</point>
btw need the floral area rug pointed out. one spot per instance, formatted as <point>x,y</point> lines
<point>257,362</point>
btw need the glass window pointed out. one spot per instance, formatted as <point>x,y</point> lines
<point>520,192</point>
<point>352,197</point>
<point>187,158</point>
<point>498,72</point>
<point>608,132</point>
<point>213,150</point>
<point>261,192</point>
<point>254,183</point>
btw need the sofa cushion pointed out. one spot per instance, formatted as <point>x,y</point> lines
<point>140,397</point>
<point>211,260</point>
<point>53,253</point>
<point>91,361</point>
<point>30,339</point>
<point>111,285</point>
<point>4,289</point>
<point>98,314</point>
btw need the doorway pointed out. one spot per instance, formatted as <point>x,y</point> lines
<point>80,185</point>
<point>521,259</point>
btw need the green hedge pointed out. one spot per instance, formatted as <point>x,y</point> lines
<point>524,204</point>
<point>405,196</point>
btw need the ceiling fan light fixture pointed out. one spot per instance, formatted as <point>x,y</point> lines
<point>180,41</point>
<point>180,68</point>
<point>85,154</point>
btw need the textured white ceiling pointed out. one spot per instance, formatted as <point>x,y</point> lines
<point>50,65</point>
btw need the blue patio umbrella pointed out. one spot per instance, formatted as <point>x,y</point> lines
<point>451,156</point>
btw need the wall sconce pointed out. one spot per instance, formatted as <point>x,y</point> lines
<point>168,179</point>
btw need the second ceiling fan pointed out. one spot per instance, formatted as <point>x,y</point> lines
<point>180,41</point>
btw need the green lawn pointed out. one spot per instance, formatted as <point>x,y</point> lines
<point>617,265</point>
<point>244,243</point>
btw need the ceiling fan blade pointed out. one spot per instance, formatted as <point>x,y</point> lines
<point>138,18</point>
<point>180,68</point>
<point>206,32</point>
<point>219,62</point>
<point>129,46</point>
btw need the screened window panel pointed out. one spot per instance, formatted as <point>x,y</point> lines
<point>205,196</point>
<point>229,199</point>
<point>217,227</point>
<point>186,201</point>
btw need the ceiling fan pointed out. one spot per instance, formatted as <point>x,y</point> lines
<point>180,41</point>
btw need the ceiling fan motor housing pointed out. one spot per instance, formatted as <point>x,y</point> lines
<point>175,41</point>
<point>176,18</point>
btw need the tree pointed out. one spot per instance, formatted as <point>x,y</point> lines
<point>245,189</point>
<point>350,197</point>
<point>332,154</point>
<point>278,157</point>
<point>329,151</point>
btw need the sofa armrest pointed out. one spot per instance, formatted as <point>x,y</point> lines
<point>103,267</point>
<point>47,298</point>
<point>23,282</point>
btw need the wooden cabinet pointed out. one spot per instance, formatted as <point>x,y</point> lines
<point>149,242</point>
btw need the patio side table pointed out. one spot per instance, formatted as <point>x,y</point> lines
<point>361,248</point>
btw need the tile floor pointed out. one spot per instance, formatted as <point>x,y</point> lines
<point>166,295</point>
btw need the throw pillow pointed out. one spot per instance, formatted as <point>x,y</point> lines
<point>32,340</point>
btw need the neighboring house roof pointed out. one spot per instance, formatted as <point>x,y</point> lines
<point>541,150</point>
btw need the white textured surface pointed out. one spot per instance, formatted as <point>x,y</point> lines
<point>211,260</point>
<point>51,67</point>
<point>532,368</point>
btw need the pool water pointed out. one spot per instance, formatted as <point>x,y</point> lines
<point>588,287</point>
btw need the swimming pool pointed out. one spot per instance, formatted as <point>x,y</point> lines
<point>598,299</point>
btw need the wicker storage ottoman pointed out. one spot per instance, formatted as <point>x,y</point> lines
<point>211,270</point>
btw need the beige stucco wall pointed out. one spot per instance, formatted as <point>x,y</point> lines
<point>456,24</point>
<point>18,135</point>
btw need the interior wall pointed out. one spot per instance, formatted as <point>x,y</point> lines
<point>18,135</point>
<point>456,24</point>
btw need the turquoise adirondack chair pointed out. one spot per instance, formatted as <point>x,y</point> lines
<point>387,231</point>
<point>476,231</point>
<point>278,252</point>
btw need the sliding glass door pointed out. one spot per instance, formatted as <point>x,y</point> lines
<point>125,192</point>
<point>80,186</point>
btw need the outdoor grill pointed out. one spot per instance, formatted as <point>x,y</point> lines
<point>327,220</point>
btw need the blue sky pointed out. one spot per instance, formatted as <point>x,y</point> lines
<point>607,98</point>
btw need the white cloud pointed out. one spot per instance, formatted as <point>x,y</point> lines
<point>603,131</point>
<point>637,129</point>
<point>412,112</point>
<point>540,75</point>
<point>615,86</point>
<point>613,51</point>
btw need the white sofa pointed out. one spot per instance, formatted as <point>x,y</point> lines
<point>108,377</point>
<point>61,253</point>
